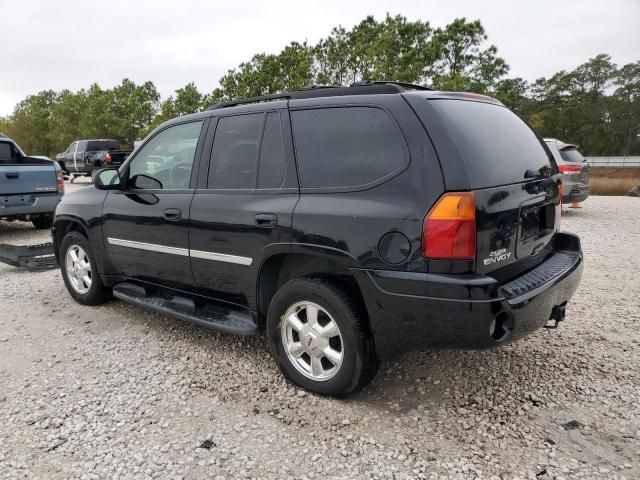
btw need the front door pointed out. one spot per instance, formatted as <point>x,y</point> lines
<point>146,224</point>
<point>243,214</point>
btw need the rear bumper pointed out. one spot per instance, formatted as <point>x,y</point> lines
<point>415,311</point>
<point>29,204</point>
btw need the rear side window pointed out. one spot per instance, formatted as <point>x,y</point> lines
<point>8,154</point>
<point>347,147</point>
<point>271,171</point>
<point>234,157</point>
<point>496,145</point>
<point>571,155</point>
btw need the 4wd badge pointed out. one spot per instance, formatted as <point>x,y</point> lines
<point>497,256</point>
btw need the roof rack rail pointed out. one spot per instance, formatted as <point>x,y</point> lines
<point>366,87</point>
<point>406,85</point>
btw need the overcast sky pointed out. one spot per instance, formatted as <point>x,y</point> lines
<point>71,44</point>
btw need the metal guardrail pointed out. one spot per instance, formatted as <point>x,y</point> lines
<point>613,161</point>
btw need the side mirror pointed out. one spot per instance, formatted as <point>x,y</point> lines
<point>107,179</point>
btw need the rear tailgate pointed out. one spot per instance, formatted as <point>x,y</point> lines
<point>27,177</point>
<point>493,153</point>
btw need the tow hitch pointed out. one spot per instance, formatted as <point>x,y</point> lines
<point>558,314</point>
<point>31,257</point>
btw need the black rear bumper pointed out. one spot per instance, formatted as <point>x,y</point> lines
<point>415,311</point>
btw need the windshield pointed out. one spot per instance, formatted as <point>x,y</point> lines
<point>498,148</point>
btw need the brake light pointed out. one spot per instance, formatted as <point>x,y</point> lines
<point>449,229</point>
<point>108,159</point>
<point>60,181</point>
<point>570,169</point>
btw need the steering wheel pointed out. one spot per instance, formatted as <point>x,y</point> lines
<point>184,180</point>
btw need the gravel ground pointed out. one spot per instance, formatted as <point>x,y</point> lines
<point>117,392</point>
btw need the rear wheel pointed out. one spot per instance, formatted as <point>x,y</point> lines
<point>318,337</point>
<point>42,222</point>
<point>79,270</point>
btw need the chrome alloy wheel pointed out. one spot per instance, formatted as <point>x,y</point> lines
<point>312,340</point>
<point>78,269</point>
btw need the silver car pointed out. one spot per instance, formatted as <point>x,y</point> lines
<point>574,170</point>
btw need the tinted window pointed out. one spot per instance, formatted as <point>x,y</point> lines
<point>346,147</point>
<point>82,146</point>
<point>271,170</point>
<point>99,145</point>
<point>165,161</point>
<point>6,152</point>
<point>234,155</point>
<point>571,155</point>
<point>496,145</point>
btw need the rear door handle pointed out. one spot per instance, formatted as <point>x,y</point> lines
<point>266,220</point>
<point>12,174</point>
<point>172,214</point>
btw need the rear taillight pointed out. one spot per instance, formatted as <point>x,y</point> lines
<point>108,159</point>
<point>449,229</point>
<point>570,169</point>
<point>60,181</point>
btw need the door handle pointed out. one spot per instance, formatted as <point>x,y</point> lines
<point>266,220</point>
<point>12,174</point>
<point>172,214</point>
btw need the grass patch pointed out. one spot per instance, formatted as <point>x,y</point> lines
<point>613,180</point>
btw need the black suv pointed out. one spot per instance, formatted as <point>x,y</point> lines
<point>348,224</point>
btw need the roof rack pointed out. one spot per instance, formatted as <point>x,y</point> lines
<point>405,85</point>
<point>366,87</point>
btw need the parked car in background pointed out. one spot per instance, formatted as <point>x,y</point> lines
<point>83,157</point>
<point>573,168</point>
<point>347,224</point>
<point>30,187</point>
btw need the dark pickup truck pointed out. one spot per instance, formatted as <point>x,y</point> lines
<point>83,157</point>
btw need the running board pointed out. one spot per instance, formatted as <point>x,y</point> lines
<point>207,314</point>
<point>31,257</point>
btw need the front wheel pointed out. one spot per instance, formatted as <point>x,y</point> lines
<point>79,270</point>
<point>319,338</point>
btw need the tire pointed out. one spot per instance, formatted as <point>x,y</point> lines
<point>93,293</point>
<point>43,222</point>
<point>358,363</point>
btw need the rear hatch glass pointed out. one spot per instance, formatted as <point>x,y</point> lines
<point>497,147</point>
<point>571,154</point>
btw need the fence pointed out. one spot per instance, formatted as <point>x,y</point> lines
<point>614,161</point>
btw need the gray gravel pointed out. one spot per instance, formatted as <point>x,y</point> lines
<point>117,392</point>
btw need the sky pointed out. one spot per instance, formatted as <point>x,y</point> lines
<point>71,43</point>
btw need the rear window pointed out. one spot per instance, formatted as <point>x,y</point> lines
<point>496,145</point>
<point>347,147</point>
<point>99,145</point>
<point>571,155</point>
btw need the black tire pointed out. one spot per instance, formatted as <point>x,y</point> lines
<point>46,221</point>
<point>97,292</point>
<point>360,363</point>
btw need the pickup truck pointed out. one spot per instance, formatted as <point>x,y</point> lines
<point>30,186</point>
<point>83,157</point>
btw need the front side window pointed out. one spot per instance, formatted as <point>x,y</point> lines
<point>165,161</point>
<point>347,147</point>
<point>234,157</point>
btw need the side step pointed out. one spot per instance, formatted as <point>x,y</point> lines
<point>207,314</point>
<point>31,257</point>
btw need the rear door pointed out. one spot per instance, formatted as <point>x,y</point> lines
<point>241,214</point>
<point>486,148</point>
<point>145,225</point>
